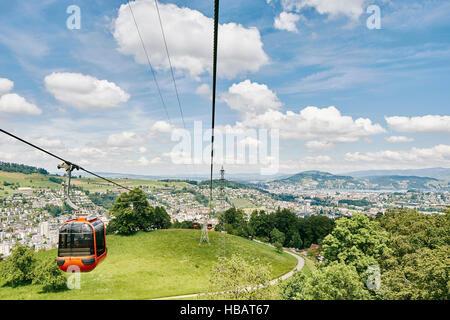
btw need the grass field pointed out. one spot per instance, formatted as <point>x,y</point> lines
<point>39,181</point>
<point>156,264</point>
<point>35,181</point>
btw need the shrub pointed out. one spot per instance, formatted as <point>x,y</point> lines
<point>49,276</point>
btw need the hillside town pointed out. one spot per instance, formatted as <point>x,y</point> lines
<point>33,216</point>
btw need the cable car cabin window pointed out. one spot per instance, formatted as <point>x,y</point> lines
<point>76,240</point>
<point>100,237</point>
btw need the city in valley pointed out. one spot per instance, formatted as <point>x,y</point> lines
<point>32,206</point>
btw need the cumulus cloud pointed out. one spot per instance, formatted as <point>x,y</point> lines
<point>124,139</point>
<point>143,161</point>
<point>352,9</point>
<point>204,90</point>
<point>161,127</point>
<point>6,85</point>
<point>84,92</point>
<point>287,21</point>
<point>251,98</point>
<point>13,103</point>
<point>189,38</point>
<point>425,124</point>
<point>398,139</point>
<point>434,154</point>
<point>258,106</point>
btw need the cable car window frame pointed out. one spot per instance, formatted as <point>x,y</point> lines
<point>100,241</point>
<point>73,239</point>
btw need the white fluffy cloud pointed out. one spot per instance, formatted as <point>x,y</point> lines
<point>84,92</point>
<point>398,139</point>
<point>13,103</point>
<point>162,127</point>
<point>6,85</point>
<point>189,38</point>
<point>287,21</point>
<point>204,90</point>
<point>251,98</point>
<point>258,107</point>
<point>429,123</point>
<point>124,139</point>
<point>433,155</point>
<point>350,8</point>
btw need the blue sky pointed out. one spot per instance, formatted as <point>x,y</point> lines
<point>343,97</point>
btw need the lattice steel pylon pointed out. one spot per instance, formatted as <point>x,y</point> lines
<point>205,237</point>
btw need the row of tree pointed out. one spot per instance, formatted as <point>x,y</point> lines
<point>281,227</point>
<point>15,167</point>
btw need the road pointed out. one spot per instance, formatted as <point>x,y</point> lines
<point>300,264</point>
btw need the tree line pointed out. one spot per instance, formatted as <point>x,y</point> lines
<point>281,227</point>
<point>21,168</point>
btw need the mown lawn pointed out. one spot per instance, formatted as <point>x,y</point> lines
<point>156,264</point>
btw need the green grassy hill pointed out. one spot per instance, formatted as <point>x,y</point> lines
<point>156,264</point>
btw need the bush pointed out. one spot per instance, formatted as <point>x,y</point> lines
<point>49,276</point>
<point>18,268</point>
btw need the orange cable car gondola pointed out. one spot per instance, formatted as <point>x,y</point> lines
<point>81,241</point>
<point>82,244</point>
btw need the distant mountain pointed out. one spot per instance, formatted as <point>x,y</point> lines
<point>310,180</point>
<point>404,182</point>
<point>437,173</point>
<point>323,180</point>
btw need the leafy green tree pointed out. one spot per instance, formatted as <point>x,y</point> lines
<point>236,278</point>
<point>161,219</point>
<point>337,281</point>
<point>277,239</point>
<point>356,241</point>
<point>18,268</point>
<point>260,224</point>
<point>286,222</point>
<point>296,241</point>
<point>131,213</point>
<point>49,276</point>
<point>416,267</point>
<point>233,221</point>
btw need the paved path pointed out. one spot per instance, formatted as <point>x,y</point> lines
<point>300,264</point>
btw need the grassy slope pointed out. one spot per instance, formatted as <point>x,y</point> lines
<point>156,264</point>
<point>25,180</point>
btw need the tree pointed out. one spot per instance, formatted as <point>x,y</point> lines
<point>337,281</point>
<point>260,225</point>
<point>161,219</point>
<point>239,279</point>
<point>233,221</point>
<point>277,239</point>
<point>18,268</point>
<point>131,213</point>
<point>286,222</point>
<point>416,267</point>
<point>49,276</point>
<point>355,241</point>
<point>296,241</point>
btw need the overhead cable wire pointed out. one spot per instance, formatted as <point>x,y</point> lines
<point>170,63</point>
<point>149,62</point>
<point>216,27</point>
<point>59,158</point>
